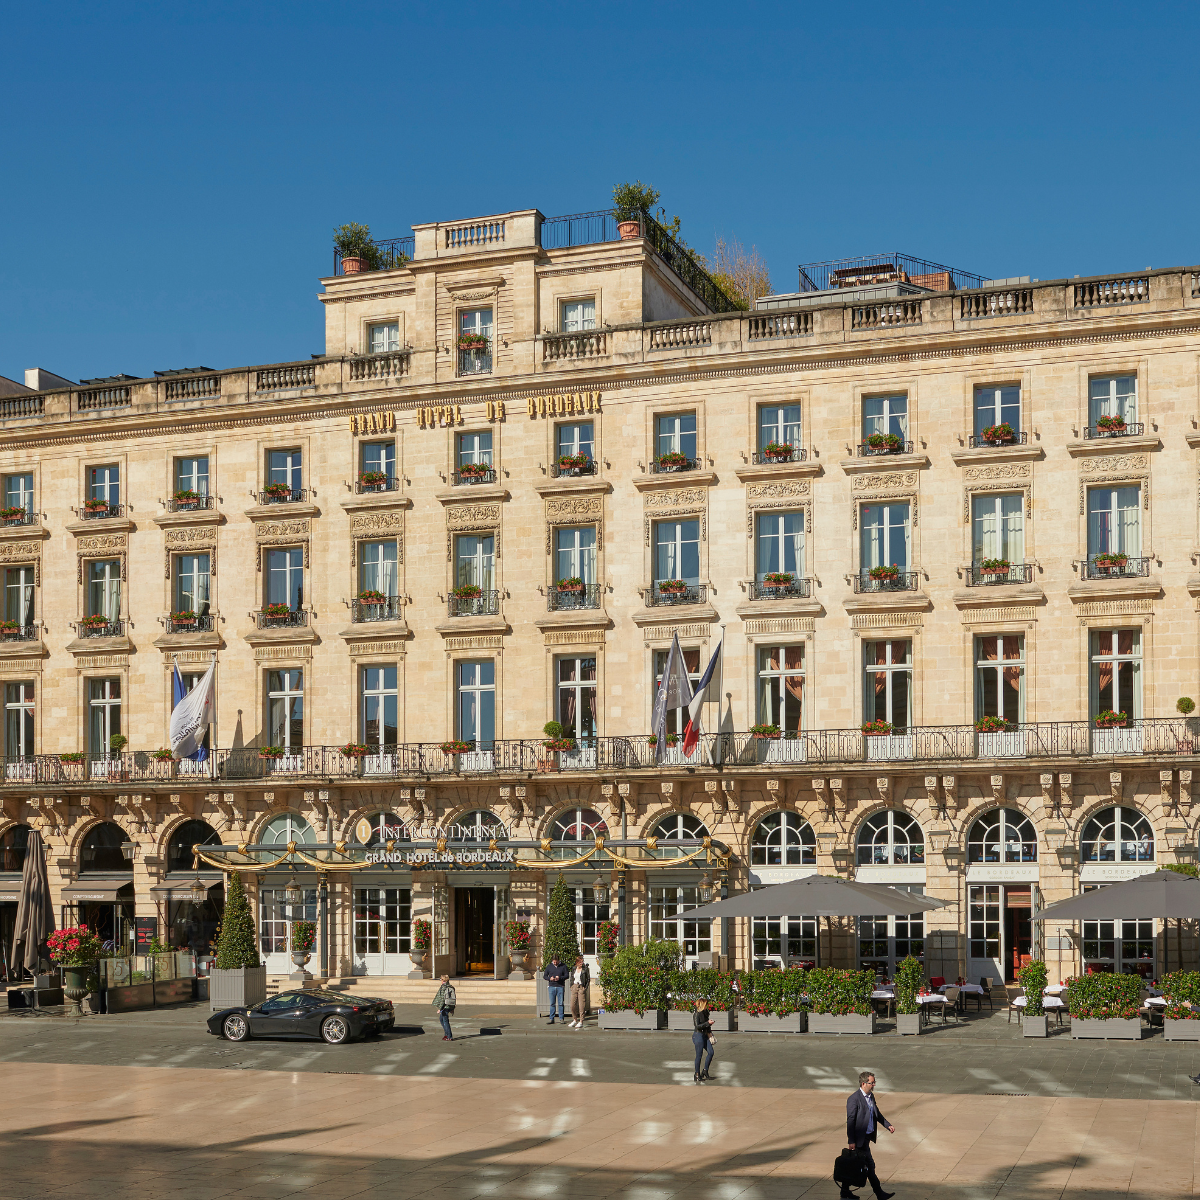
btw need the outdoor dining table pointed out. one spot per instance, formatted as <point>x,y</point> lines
<point>967,989</point>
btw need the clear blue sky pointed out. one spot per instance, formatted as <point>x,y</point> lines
<point>172,173</point>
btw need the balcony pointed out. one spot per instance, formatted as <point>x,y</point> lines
<point>473,473</point>
<point>562,599</point>
<point>294,618</point>
<point>1125,429</point>
<point>1009,303</point>
<point>474,362</point>
<point>277,494</point>
<point>798,589</point>
<point>204,623</point>
<point>981,576</point>
<point>977,441</point>
<point>99,512</point>
<point>789,454</point>
<point>573,470</point>
<point>575,347</point>
<point>10,631</point>
<point>190,504</point>
<point>366,485</point>
<point>277,379</point>
<point>90,628</point>
<point>1111,293</point>
<point>16,520</point>
<point>387,366</point>
<point>672,591</point>
<point>484,604</point>
<point>881,444</point>
<point>902,581</point>
<point>390,608</point>
<point>1119,566</point>
<point>388,255</point>
<point>669,464</point>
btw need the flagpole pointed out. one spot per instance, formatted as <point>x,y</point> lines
<point>726,922</point>
<point>212,750</point>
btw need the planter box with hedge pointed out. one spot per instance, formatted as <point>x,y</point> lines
<point>1105,1006</point>
<point>635,983</point>
<point>626,1018</point>
<point>237,978</point>
<point>910,974</point>
<point>686,987</point>
<point>1181,1016</point>
<point>841,1000</point>
<point>774,1001</point>
<point>796,1022</point>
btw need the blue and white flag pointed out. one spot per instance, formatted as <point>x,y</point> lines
<point>191,713</point>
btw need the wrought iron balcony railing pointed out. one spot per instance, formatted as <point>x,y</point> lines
<point>977,441</point>
<point>657,467</point>
<point>866,450</point>
<point>290,496</point>
<point>462,477</point>
<point>486,604</point>
<point>97,514</point>
<point>391,608</point>
<point>294,618</point>
<point>24,517</point>
<point>980,576</point>
<point>19,633</point>
<point>1130,429</point>
<point>560,598</point>
<point>1130,568</point>
<point>115,628</point>
<point>798,589</point>
<point>558,471</point>
<point>202,623</point>
<point>669,591</point>
<point>390,484</point>
<point>902,581</point>
<point>194,505</point>
<point>474,362</point>
<point>760,458</point>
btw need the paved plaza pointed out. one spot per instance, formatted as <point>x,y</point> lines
<point>151,1104</point>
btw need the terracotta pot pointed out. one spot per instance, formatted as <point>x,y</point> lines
<point>571,587</point>
<point>352,266</point>
<point>629,229</point>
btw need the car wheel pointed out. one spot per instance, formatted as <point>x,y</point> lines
<point>236,1028</point>
<point>335,1030</point>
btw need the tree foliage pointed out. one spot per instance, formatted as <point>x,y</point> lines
<point>237,946</point>
<point>740,273</point>
<point>561,937</point>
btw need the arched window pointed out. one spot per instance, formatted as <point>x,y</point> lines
<point>191,833</point>
<point>287,827</point>
<point>890,838</point>
<point>1117,835</point>
<point>1002,836</point>
<point>676,827</point>
<point>783,839</point>
<point>385,827</point>
<point>13,842</point>
<point>576,825</point>
<point>101,851</point>
<point>478,826</point>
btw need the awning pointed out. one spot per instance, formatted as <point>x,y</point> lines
<point>103,891</point>
<point>10,888</point>
<point>178,887</point>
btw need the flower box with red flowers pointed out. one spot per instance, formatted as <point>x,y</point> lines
<point>271,752</point>
<point>354,750</point>
<point>277,491</point>
<point>1107,719</point>
<point>877,728</point>
<point>995,566</point>
<point>997,435</point>
<point>71,756</point>
<point>94,621</point>
<point>186,617</point>
<point>14,513</point>
<point>992,725</point>
<point>884,572</point>
<point>276,610</point>
<point>1113,424</point>
<point>372,479</point>
<point>778,579</point>
<point>574,462</point>
<point>673,459</point>
<point>457,747</point>
<point>573,584</point>
<point>1109,562</point>
<point>95,505</point>
<point>778,450</point>
<point>186,498</point>
<point>472,341</point>
<point>764,731</point>
<point>672,587</point>
<point>163,755</point>
<point>885,441</point>
<point>474,470</point>
<point>468,591</point>
<point>371,596</point>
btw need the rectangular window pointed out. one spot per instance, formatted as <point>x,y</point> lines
<point>18,595</point>
<point>382,920</point>
<point>575,553</point>
<point>997,406</point>
<point>1116,675</point>
<point>383,337</point>
<point>675,434</point>
<point>1124,947</point>
<point>475,449</point>
<point>887,690</point>
<point>788,939</point>
<point>885,942</point>
<point>884,536</point>
<point>377,568</point>
<point>998,527</point>
<point>668,919</point>
<point>104,589</point>
<point>576,438</point>
<point>475,560</point>
<point>1000,676</point>
<point>18,492</point>
<point>380,708</point>
<point>104,483</point>
<point>18,720</point>
<point>191,475</point>
<point>192,583</point>
<point>778,423</point>
<point>475,341</point>
<point>589,915</point>
<point>780,543</point>
<point>104,715</point>
<point>285,709</point>
<point>285,577</point>
<point>677,551</point>
<point>885,414</point>
<point>578,315</point>
<point>983,921</point>
<point>577,697</point>
<point>476,686</point>
<point>1113,396</point>
<point>1114,521</point>
<point>283,467</point>
<point>379,458</point>
<point>677,717</point>
<point>781,687</point>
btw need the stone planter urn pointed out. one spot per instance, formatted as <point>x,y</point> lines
<point>517,958</point>
<point>418,962</point>
<point>909,1023</point>
<point>1035,1026</point>
<point>300,960</point>
<point>1175,1030</point>
<point>76,988</point>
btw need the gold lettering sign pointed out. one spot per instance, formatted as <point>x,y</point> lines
<point>376,422</point>
<point>567,404</point>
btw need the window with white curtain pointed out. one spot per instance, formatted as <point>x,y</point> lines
<point>191,475</point>
<point>383,337</point>
<point>380,699</point>
<point>780,542</point>
<point>998,527</point>
<point>997,406</point>
<point>887,692</point>
<point>379,457</point>
<point>1116,671</point>
<point>104,483</point>
<point>284,466</point>
<point>885,414</point>
<point>677,551</point>
<point>285,708</point>
<point>104,588</point>
<point>475,560</point>
<point>1000,676</point>
<point>192,583</point>
<point>577,697</point>
<point>575,553</point>
<point>675,434</point>
<point>476,686</point>
<point>377,567</point>
<point>104,713</point>
<point>578,315</point>
<point>18,719</point>
<point>781,687</point>
<point>475,359</point>
<point>18,491</point>
<point>884,535</point>
<point>285,577</point>
<point>576,437</point>
<point>1114,521</point>
<point>1113,396</point>
<point>475,449</point>
<point>18,595</point>
<point>778,423</point>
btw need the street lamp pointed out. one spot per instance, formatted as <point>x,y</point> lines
<point>293,894</point>
<point>127,849</point>
<point>199,890</point>
<point>600,889</point>
<point>705,889</point>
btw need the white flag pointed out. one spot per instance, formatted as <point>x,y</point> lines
<point>191,715</point>
<point>675,691</point>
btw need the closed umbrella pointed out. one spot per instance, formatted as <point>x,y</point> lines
<point>35,915</point>
<point>1161,894</point>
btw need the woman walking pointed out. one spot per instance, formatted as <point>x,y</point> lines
<point>702,1039</point>
<point>443,1004</point>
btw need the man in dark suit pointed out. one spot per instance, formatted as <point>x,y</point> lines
<point>863,1119</point>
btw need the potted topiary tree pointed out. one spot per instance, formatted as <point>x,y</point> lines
<point>1032,977</point>
<point>910,974</point>
<point>357,248</point>
<point>631,203</point>
<point>238,978</point>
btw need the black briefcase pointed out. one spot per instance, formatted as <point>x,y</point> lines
<point>850,1168</point>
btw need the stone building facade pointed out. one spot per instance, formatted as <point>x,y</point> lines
<point>503,412</point>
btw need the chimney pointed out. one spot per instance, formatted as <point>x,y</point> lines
<point>45,381</point>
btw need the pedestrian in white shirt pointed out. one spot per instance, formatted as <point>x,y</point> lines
<point>580,978</point>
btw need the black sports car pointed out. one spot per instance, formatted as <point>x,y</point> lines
<point>333,1016</point>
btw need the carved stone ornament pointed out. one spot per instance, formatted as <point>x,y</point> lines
<point>675,498</point>
<point>999,471</point>
<point>1107,464</point>
<point>569,509</point>
<point>885,481</point>
<point>473,516</point>
<point>101,544</point>
<point>784,489</point>
<point>376,522</point>
<point>24,554</point>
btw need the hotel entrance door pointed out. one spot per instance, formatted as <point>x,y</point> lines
<point>475,930</point>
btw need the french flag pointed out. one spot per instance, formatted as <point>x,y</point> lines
<point>691,732</point>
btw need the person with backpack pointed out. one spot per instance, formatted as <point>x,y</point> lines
<point>444,1003</point>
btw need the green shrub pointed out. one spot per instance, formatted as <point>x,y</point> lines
<point>237,946</point>
<point>1182,989</point>
<point>561,934</point>
<point>639,977</point>
<point>632,199</point>
<point>839,993</point>
<point>1189,869</point>
<point>1104,996</point>
<point>686,987</point>
<point>910,974</point>
<point>774,991</point>
<point>1032,977</point>
<point>667,956</point>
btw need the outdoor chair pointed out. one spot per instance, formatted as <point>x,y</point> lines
<point>937,981</point>
<point>954,996</point>
<point>1019,1007</point>
<point>986,984</point>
